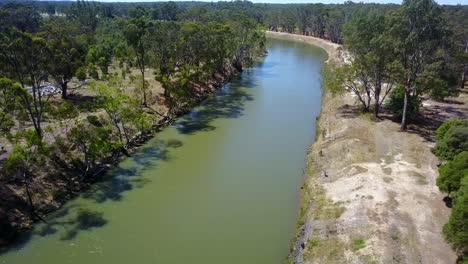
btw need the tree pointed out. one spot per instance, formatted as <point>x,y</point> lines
<point>137,34</point>
<point>417,32</point>
<point>20,163</point>
<point>67,54</point>
<point>169,11</point>
<point>456,230</point>
<point>93,143</point>
<point>7,104</point>
<point>81,73</point>
<point>451,173</point>
<point>85,13</point>
<point>24,58</point>
<point>365,38</point>
<point>115,104</point>
<point>23,17</point>
<point>335,21</point>
<point>354,78</point>
<point>454,141</point>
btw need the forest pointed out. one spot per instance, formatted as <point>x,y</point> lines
<point>82,88</point>
<point>79,82</point>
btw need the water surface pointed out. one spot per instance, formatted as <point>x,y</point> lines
<point>220,186</point>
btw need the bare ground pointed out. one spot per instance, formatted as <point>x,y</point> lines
<point>369,194</point>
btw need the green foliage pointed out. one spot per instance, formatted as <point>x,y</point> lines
<point>67,53</point>
<point>92,71</point>
<point>456,230</point>
<point>81,73</point>
<point>24,59</point>
<point>7,104</point>
<point>93,143</point>
<point>452,144</point>
<point>442,130</point>
<point>333,78</point>
<point>28,149</point>
<point>396,102</point>
<point>451,173</point>
<point>358,244</point>
<point>21,16</point>
<point>66,110</point>
<point>454,141</point>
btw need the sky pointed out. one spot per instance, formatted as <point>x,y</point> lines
<point>444,2</point>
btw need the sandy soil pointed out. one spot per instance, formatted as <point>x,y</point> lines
<point>85,93</point>
<point>369,194</point>
<point>333,50</point>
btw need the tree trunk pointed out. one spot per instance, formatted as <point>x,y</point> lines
<point>405,110</point>
<point>376,105</point>
<point>143,87</point>
<point>64,86</point>
<point>32,209</point>
<point>465,69</point>
<point>378,88</point>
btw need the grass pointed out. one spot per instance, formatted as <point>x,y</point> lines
<point>420,179</point>
<point>324,208</point>
<point>324,251</point>
<point>358,244</point>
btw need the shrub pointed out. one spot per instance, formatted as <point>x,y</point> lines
<point>456,230</point>
<point>451,173</point>
<point>92,71</point>
<point>396,102</point>
<point>440,132</point>
<point>454,141</point>
<point>81,74</point>
<point>65,111</point>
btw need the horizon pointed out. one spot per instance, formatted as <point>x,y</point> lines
<point>440,2</point>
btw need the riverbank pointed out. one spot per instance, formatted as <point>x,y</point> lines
<point>54,182</point>
<point>369,194</point>
<point>220,164</point>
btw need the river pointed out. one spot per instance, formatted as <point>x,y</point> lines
<point>220,186</point>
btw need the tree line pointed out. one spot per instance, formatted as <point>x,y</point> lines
<point>452,148</point>
<point>54,137</point>
<point>401,56</point>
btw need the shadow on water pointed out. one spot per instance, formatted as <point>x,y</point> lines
<point>69,221</point>
<point>228,103</point>
<point>72,219</point>
<point>123,179</point>
<point>72,224</point>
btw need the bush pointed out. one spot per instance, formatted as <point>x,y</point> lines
<point>81,74</point>
<point>454,141</point>
<point>440,132</point>
<point>456,230</point>
<point>65,111</point>
<point>396,102</point>
<point>92,71</point>
<point>450,174</point>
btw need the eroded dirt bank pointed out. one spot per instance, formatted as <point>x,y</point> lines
<point>369,194</point>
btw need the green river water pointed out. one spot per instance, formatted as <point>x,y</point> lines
<point>219,187</point>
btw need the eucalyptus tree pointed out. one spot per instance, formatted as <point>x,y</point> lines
<point>418,32</point>
<point>7,104</point>
<point>67,53</point>
<point>21,163</point>
<point>24,58</point>
<point>366,39</point>
<point>24,17</point>
<point>137,33</point>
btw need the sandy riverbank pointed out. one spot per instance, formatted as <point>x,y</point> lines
<point>369,194</point>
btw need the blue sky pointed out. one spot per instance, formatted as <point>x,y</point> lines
<point>447,2</point>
